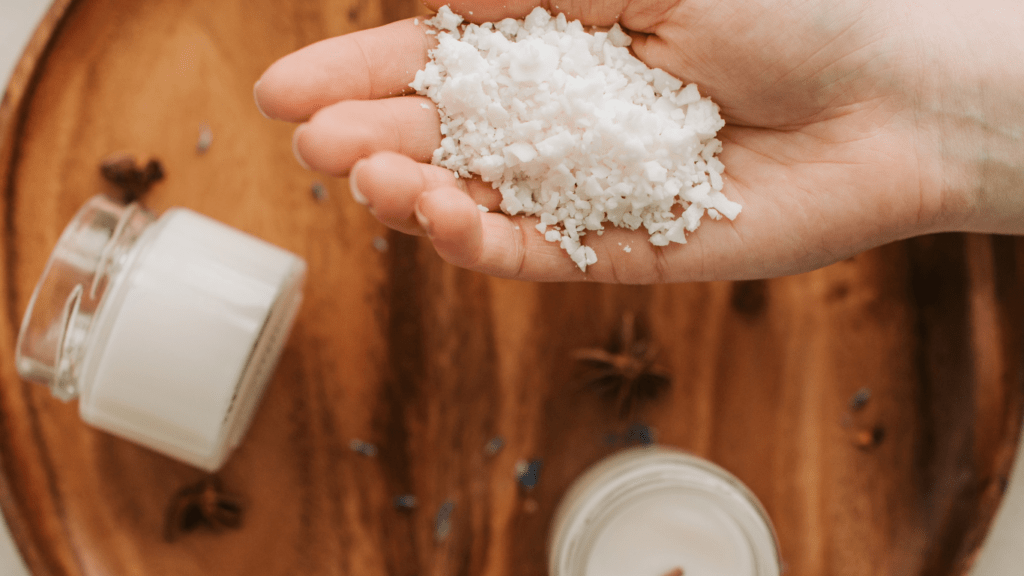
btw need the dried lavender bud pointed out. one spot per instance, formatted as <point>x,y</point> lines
<point>860,399</point>
<point>405,501</point>
<point>364,448</point>
<point>494,445</point>
<point>528,473</point>
<point>443,521</point>
<point>319,191</point>
<point>640,434</point>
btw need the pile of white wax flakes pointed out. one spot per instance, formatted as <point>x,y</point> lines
<point>571,127</point>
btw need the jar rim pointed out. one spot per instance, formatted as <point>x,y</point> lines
<point>70,290</point>
<point>626,477</point>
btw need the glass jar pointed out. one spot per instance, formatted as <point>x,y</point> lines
<point>166,330</point>
<point>657,511</point>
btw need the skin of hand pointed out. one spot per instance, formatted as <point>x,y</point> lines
<point>849,125</point>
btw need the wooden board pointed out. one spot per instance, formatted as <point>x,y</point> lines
<point>429,362</point>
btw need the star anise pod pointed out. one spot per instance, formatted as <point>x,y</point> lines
<point>131,179</point>
<point>202,504</point>
<point>626,372</point>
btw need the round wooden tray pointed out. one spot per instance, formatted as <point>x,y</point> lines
<point>429,362</point>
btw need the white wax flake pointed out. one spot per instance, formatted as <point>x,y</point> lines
<point>481,208</point>
<point>446,20</point>
<point>618,38</point>
<point>569,126</point>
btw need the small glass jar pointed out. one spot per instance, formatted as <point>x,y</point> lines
<point>166,330</point>
<point>656,511</point>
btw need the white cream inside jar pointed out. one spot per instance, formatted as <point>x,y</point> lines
<point>655,511</point>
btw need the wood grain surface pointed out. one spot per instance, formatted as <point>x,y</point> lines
<point>429,362</point>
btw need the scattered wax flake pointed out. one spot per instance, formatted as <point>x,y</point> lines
<point>446,20</point>
<point>205,139</point>
<point>481,208</point>
<point>618,38</point>
<point>380,244</point>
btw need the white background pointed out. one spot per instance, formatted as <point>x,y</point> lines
<point>1002,555</point>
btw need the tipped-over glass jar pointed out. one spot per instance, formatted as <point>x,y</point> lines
<point>166,330</point>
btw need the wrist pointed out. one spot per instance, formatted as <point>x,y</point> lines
<point>971,120</point>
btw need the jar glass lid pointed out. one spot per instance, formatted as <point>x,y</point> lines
<point>60,313</point>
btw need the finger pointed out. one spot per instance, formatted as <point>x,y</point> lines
<point>339,135</point>
<point>505,247</point>
<point>390,184</point>
<point>490,243</point>
<point>513,248</point>
<point>590,13</point>
<point>368,64</point>
<point>477,11</point>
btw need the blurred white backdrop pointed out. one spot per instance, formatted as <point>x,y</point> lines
<point>18,18</point>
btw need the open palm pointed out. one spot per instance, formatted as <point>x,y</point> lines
<point>821,147</point>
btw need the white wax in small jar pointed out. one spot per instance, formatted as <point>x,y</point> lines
<point>166,330</point>
<point>654,511</point>
<point>664,531</point>
<point>184,336</point>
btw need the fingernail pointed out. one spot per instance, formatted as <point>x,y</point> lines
<point>256,99</point>
<point>295,147</point>
<point>422,220</point>
<point>353,187</point>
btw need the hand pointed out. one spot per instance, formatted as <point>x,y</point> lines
<point>837,136</point>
